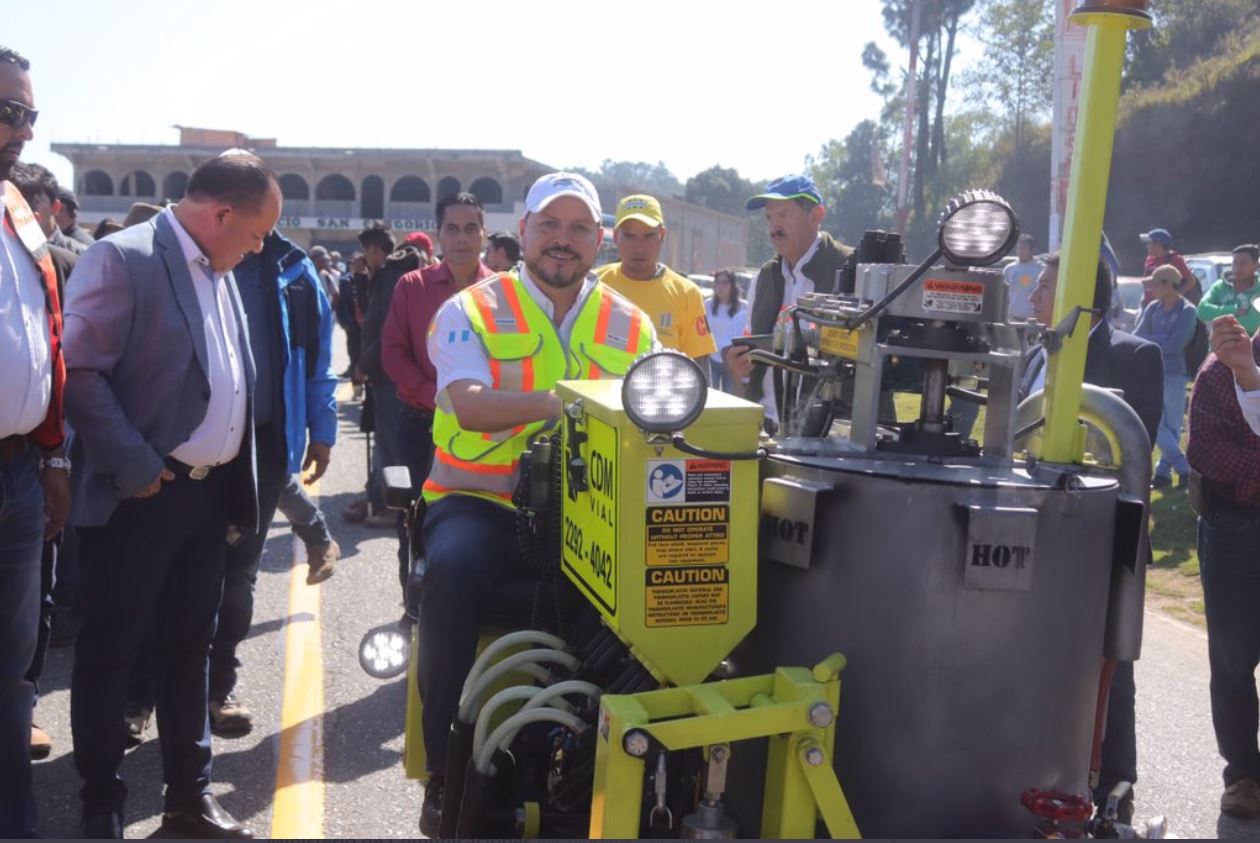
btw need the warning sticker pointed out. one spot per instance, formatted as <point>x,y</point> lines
<point>838,341</point>
<point>708,481</point>
<point>665,483</point>
<point>688,535</point>
<point>945,296</point>
<point>687,596</point>
<point>688,481</point>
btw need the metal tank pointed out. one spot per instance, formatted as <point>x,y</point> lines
<point>974,589</point>
<point>972,616</point>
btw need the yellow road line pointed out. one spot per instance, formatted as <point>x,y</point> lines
<point>298,810</point>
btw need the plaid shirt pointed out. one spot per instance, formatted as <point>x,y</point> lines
<point>1222,446</point>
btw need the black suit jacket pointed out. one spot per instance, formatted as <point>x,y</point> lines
<point>1117,360</point>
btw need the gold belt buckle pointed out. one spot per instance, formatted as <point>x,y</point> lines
<point>199,473</point>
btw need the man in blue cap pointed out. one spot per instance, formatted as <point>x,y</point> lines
<point>807,262</point>
<point>1159,251</point>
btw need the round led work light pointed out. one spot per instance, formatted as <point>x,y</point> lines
<point>385,651</point>
<point>977,228</point>
<point>664,392</point>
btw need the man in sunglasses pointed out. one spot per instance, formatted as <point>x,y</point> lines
<point>33,470</point>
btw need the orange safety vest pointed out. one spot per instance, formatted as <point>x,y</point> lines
<point>526,354</point>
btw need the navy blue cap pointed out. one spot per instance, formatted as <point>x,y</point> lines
<point>1160,236</point>
<point>791,186</point>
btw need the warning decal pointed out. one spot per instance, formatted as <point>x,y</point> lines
<point>687,596</point>
<point>947,296</point>
<point>834,340</point>
<point>688,481</point>
<point>708,481</point>
<point>688,535</point>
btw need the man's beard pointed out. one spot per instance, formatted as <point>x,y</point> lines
<point>6,166</point>
<point>560,280</point>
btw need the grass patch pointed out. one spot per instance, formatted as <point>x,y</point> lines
<point>1173,531</point>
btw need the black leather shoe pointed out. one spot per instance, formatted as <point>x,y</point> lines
<point>431,810</point>
<point>101,825</point>
<point>206,820</point>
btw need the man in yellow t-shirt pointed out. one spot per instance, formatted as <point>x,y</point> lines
<point>674,303</point>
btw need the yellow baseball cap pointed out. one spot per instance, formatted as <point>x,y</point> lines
<point>646,209</point>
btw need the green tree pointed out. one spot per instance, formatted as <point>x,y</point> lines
<point>849,174</point>
<point>637,175</point>
<point>940,21</point>
<point>1185,32</point>
<point>724,189</point>
<point>1016,77</point>
<point>719,188</point>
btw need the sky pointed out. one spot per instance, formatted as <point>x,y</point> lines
<point>754,86</point>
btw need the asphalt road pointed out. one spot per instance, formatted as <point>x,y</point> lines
<point>354,786</point>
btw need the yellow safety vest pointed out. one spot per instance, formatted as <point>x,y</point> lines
<point>526,355</point>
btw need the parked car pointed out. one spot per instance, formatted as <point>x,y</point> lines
<point>704,282</point>
<point>1127,303</point>
<point>1210,267</point>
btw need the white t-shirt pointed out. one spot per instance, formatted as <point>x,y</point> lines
<point>1021,280</point>
<point>725,327</point>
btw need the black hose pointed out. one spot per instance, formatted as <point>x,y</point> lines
<point>895,293</point>
<point>687,448</point>
<point>779,361</point>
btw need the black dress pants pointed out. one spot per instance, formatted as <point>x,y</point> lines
<point>158,564</point>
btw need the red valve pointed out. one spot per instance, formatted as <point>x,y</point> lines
<point>1057,806</point>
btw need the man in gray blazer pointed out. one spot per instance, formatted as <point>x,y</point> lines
<point>159,393</point>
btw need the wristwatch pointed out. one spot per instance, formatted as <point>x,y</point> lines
<point>60,463</point>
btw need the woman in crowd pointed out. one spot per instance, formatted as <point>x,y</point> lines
<point>728,318</point>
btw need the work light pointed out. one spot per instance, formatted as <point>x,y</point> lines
<point>978,227</point>
<point>664,392</point>
<point>385,651</point>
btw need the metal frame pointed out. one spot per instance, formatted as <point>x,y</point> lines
<point>786,707</point>
<point>999,420</point>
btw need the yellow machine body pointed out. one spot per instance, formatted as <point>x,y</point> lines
<point>663,543</point>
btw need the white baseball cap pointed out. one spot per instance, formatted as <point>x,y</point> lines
<point>554,185</point>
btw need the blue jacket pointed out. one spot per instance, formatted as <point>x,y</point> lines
<point>307,321</point>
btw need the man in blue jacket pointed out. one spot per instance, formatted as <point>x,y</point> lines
<point>290,331</point>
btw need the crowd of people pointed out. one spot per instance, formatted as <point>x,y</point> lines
<point>141,468</point>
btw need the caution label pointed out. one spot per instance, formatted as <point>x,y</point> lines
<point>838,341</point>
<point>948,296</point>
<point>688,535</point>
<point>708,481</point>
<point>687,596</point>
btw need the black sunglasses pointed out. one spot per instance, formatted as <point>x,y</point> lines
<point>17,115</point>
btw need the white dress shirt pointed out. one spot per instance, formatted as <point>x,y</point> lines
<point>456,352</point>
<point>25,351</point>
<point>217,439</point>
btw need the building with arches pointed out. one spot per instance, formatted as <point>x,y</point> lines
<point>332,193</point>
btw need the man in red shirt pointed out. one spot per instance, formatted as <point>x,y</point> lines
<point>1159,251</point>
<point>461,221</point>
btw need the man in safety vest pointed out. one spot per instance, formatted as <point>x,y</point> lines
<point>499,347</point>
